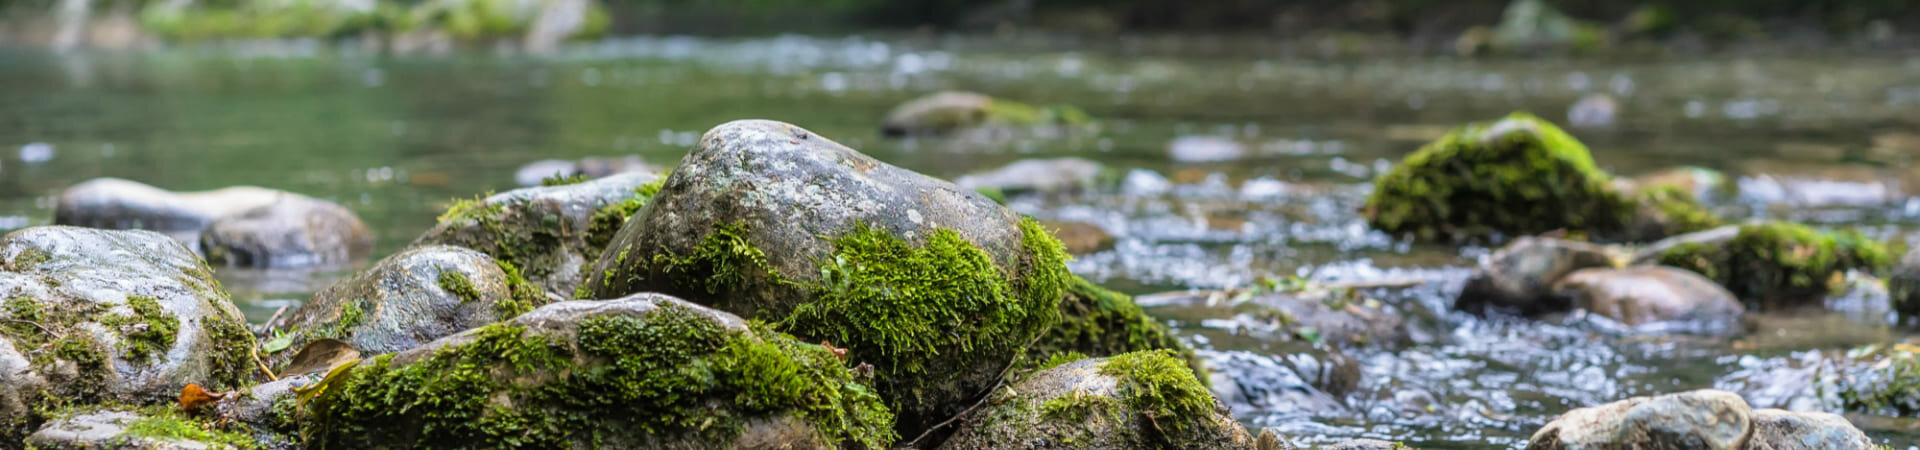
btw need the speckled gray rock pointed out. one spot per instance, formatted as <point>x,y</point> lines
<point>1519,277</point>
<point>114,203</point>
<point>752,217</point>
<point>1655,298</point>
<point>1776,429</point>
<point>403,301</point>
<point>1697,420</point>
<point>1036,175</point>
<point>581,333</point>
<point>107,429</point>
<point>1085,404</point>
<point>293,231</point>
<point>97,315</point>
<point>268,409</point>
<point>550,233</point>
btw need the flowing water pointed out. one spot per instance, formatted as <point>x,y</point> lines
<point>1276,146</point>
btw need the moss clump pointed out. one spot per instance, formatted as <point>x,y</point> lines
<point>1158,386</point>
<point>522,295</point>
<point>563,180</point>
<point>671,375</point>
<point>1881,380</point>
<point>1677,211</point>
<point>608,219</point>
<point>163,423</point>
<point>1779,263</point>
<point>352,315</point>
<point>1079,406</point>
<point>1518,176</point>
<point>1099,322</point>
<point>470,208</point>
<point>936,309</point>
<point>456,283</point>
<point>150,329</point>
<point>30,258</point>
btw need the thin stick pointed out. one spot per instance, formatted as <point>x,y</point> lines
<point>263,365</point>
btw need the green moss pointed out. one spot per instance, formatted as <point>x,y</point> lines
<point>1078,406</point>
<point>473,208</point>
<point>163,423</point>
<point>1098,322</point>
<point>352,315</point>
<point>1778,262</point>
<point>235,344</point>
<point>29,259</point>
<point>564,180</point>
<point>1009,112</point>
<point>22,325</point>
<point>1518,176</point>
<point>456,283</point>
<point>672,374</point>
<point>1881,380</point>
<point>1157,385</point>
<point>522,295</point>
<point>149,330</point>
<point>721,263</point>
<point>993,193</point>
<point>1057,359</point>
<point>608,219</point>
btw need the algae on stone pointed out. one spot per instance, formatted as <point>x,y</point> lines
<point>1097,322</point>
<point>1779,263</point>
<point>1517,176</point>
<point>644,370</point>
<point>551,232</point>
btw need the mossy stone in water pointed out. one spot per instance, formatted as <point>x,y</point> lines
<point>1517,176</point>
<point>937,286</point>
<point>97,316</point>
<point>1778,263</point>
<point>646,371</point>
<point>1136,400</point>
<point>1095,321</point>
<point>551,233</point>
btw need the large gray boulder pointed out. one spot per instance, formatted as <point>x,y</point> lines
<point>406,300</point>
<point>1519,277</point>
<point>293,231</point>
<point>115,203</point>
<point>1704,419</point>
<point>937,286</point>
<point>550,233</point>
<point>126,317</point>
<point>646,371</point>
<point>1137,400</point>
<point>1655,298</point>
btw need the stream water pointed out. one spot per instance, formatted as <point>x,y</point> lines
<point>1823,139</point>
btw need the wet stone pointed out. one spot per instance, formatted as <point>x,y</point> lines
<point>1519,278</point>
<point>550,234</point>
<point>406,300</point>
<point>293,231</point>
<point>1654,299</point>
<point>114,203</point>
<point>1133,401</point>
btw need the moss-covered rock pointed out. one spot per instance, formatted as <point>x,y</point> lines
<point>937,286</point>
<point>1132,401</point>
<point>293,231</point>
<point>154,428</point>
<point>1775,263</point>
<point>540,22</point>
<point>1667,210</point>
<point>646,371</point>
<point>1517,176</point>
<point>1098,322</point>
<point>1696,419</point>
<point>952,111</point>
<point>406,300</point>
<point>127,317</point>
<point>551,232</point>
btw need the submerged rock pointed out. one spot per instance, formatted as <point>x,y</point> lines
<point>1517,176</point>
<point>937,286</point>
<point>407,300</point>
<point>152,429</point>
<point>951,111</point>
<point>1774,263</point>
<point>293,231</point>
<point>1043,176</point>
<point>114,203</point>
<point>549,233</point>
<point>1519,277</point>
<point>125,317</point>
<point>646,371</point>
<point>1654,299</point>
<point>1704,419</point>
<point>1133,401</point>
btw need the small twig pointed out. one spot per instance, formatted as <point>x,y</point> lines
<point>276,316</point>
<point>43,328</point>
<point>255,352</point>
<point>1001,381</point>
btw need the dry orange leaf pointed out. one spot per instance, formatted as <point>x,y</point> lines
<point>194,397</point>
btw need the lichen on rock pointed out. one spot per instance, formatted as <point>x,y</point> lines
<point>551,232</point>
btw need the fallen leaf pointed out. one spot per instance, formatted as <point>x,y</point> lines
<point>320,355</point>
<point>307,393</point>
<point>278,344</point>
<point>837,352</point>
<point>193,397</point>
